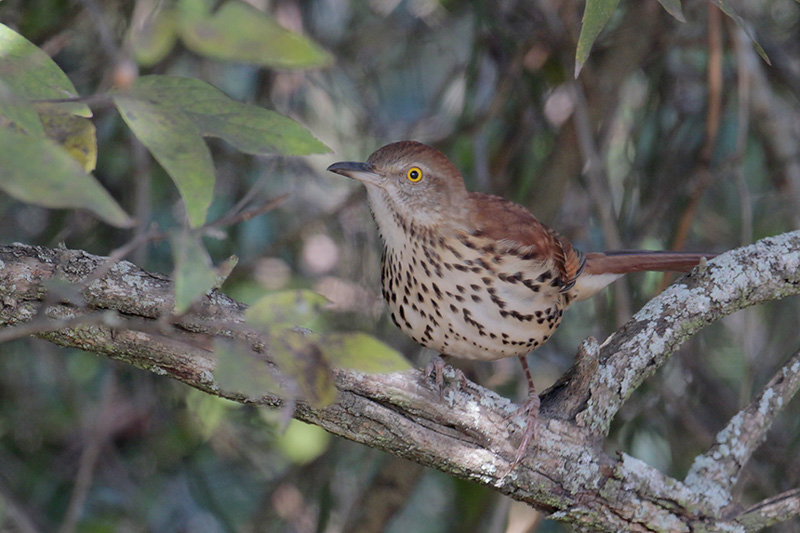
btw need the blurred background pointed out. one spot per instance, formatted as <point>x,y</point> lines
<point>675,136</point>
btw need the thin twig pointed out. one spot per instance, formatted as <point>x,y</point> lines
<point>118,254</point>
<point>703,177</point>
<point>142,195</point>
<point>89,99</point>
<point>44,324</point>
<point>599,192</point>
<point>15,514</point>
<point>715,472</point>
<point>771,511</point>
<point>237,214</point>
<point>97,435</point>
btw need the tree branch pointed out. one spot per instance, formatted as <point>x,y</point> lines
<point>465,433</point>
<point>715,472</point>
<point>764,271</point>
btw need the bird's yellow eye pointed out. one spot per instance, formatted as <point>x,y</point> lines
<point>414,174</point>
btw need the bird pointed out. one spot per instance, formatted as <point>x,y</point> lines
<point>473,275</point>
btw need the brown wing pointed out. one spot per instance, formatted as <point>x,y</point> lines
<point>503,220</point>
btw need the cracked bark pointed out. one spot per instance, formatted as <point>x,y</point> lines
<point>124,315</point>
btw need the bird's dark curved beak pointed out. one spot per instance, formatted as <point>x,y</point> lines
<point>363,172</point>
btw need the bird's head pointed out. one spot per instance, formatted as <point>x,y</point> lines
<point>411,180</point>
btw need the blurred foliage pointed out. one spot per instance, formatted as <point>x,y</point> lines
<point>694,142</point>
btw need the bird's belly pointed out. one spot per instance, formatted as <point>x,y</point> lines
<point>472,315</point>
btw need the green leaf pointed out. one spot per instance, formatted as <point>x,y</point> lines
<point>194,274</point>
<point>251,129</point>
<point>224,270</point>
<point>18,112</point>
<point>238,32</point>
<point>595,16</point>
<point>176,144</point>
<point>362,352</point>
<point>304,371</point>
<point>37,171</point>
<point>209,411</point>
<point>673,7</point>
<point>728,9</point>
<point>171,115</point>
<point>152,40</point>
<point>29,72</point>
<point>240,371</point>
<point>302,443</point>
<point>287,309</point>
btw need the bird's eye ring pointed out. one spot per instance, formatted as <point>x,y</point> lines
<point>414,174</point>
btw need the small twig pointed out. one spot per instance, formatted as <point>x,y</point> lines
<point>714,113</point>
<point>152,234</point>
<point>703,177</point>
<point>100,22</point>
<point>44,324</point>
<point>599,192</point>
<point>745,81</point>
<point>97,435</point>
<point>89,99</point>
<point>248,196</point>
<point>715,472</point>
<point>237,214</point>
<point>384,495</point>
<point>142,195</point>
<point>15,514</point>
<point>771,511</point>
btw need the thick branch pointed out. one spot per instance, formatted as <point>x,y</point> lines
<point>465,434</point>
<point>764,271</point>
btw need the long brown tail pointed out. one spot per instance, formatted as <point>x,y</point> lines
<point>641,260</point>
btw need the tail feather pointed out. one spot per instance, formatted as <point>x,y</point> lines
<point>638,261</point>
<point>602,269</point>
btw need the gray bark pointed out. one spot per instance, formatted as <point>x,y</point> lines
<point>121,311</point>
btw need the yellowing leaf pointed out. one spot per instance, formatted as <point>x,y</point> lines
<point>302,360</point>
<point>30,73</point>
<point>238,32</point>
<point>362,352</point>
<point>74,134</point>
<point>37,171</point>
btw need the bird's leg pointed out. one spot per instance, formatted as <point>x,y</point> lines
<point>530,408</point>
<point>436,368</point>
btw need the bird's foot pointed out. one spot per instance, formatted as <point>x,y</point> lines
<point>436,368</point>
<point>530,409</point>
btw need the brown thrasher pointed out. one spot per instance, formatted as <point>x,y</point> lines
<point>476,276</point>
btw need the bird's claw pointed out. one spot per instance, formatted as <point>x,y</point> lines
<point>435,370</point>
<point>529,408</point>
